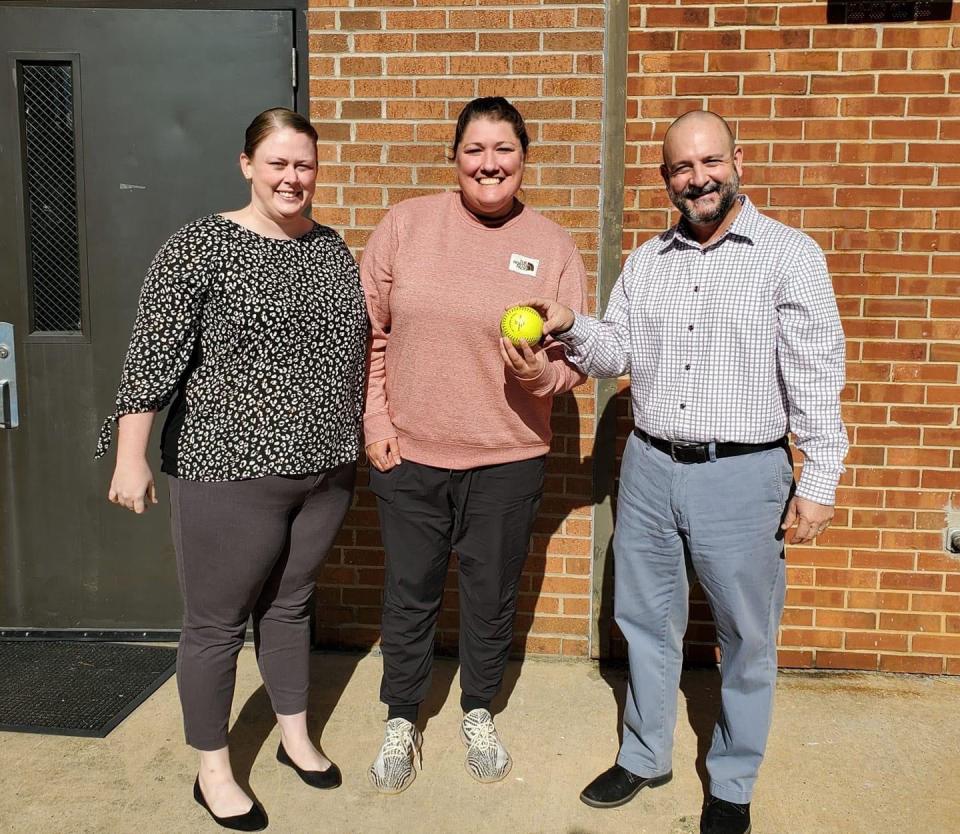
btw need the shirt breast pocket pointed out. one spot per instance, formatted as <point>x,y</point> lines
<point>741,309</point>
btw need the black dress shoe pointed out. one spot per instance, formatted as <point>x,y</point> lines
<point>722,817</point>
<point>323,779</point>
<point>617,786</point>
<point>254,820</point>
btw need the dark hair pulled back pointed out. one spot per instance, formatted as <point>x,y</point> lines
<point>276,118</point>
<point>495,108</point>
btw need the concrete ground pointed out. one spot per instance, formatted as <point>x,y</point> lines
<point>848,753</point>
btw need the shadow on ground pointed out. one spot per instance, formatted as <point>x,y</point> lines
<point>256,721</point>
<point>700,686</point>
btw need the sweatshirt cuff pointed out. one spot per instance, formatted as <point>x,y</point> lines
<point>377,426</point>
<point>818,486</point>
<point>542,384</point>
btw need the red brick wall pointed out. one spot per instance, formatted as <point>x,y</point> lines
<point>853,135</point>
<point>388,78</point>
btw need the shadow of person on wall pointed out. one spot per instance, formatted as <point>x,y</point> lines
<point>565,569</point>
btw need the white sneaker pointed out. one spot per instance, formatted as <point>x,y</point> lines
<point>393,771</point>
<point>487,758</point>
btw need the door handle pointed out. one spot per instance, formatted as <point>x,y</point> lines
<point>9,409</point>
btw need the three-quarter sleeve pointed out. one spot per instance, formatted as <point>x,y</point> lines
<point>164,331</point>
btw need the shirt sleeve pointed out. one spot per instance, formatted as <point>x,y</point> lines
<point>811,356</point>
<point>601,348</point>
<point>164,331</point>
<point>376,276</point>
<point>559,374</point>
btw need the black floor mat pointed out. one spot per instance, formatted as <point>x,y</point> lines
<point>76,689</point>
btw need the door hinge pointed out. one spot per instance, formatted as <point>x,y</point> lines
<point>293,67</point>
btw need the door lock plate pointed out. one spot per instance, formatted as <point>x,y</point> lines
<point>9,409</point>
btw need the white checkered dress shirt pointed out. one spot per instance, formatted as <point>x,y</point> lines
<point>737,342</point>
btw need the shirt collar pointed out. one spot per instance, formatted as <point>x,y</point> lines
<point>744,227</point>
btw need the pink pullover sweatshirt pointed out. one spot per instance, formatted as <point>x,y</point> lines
<point>437,282</point>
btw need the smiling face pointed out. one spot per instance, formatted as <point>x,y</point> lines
<point>282,174</point>
<point>701,170</point>
<point>489,163</point>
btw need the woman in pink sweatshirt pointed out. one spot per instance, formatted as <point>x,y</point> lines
<point>457,423</point>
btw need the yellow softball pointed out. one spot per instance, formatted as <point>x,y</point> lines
<point>522,323</point>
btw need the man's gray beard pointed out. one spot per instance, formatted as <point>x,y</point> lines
<point>728,192</point>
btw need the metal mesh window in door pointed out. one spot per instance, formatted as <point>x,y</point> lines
<point>50,178</point>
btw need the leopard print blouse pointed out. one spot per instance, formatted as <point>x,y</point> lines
<point>260,343</point>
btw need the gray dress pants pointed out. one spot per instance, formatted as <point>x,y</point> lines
<point>245,548</point>
<point>726,514</point>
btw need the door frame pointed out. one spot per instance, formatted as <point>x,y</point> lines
<point>301,97</point>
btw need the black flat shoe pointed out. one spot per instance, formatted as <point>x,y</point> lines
<point>617,786</point>
<point>254,820</point>
<point>323,779</point>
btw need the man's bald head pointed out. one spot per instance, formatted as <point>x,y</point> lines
<point>688,123</point>
<point>701,168</point>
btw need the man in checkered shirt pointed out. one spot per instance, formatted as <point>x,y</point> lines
<point>728,326</point>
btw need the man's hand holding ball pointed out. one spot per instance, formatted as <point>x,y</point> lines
<point>557,317</point>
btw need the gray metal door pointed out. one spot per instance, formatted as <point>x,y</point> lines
<point>116,127</point>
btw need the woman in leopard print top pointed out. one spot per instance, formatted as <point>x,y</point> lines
<point>253,324</point>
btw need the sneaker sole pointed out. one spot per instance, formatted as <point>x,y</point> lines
<point>417,751</point>
<point>466,767</point>
<point>650,783</point>
<point>381,789</point>
<point>500,778</point>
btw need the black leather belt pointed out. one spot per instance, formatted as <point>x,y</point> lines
<point>683,452</point>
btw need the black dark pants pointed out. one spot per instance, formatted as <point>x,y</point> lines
<point>486,515</point>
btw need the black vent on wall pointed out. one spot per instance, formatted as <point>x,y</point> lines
<point>46,89</point>
<point>866,12</point>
